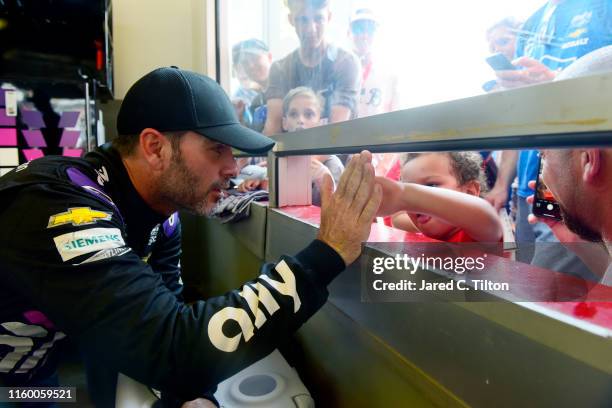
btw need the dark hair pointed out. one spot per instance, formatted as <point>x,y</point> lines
<point>126,144</point>
<point>465,166</point>
<point>315,4</point>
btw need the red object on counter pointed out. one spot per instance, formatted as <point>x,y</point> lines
<point>99,56</point>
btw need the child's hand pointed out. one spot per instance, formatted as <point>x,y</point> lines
<point>392,197</point>
<point>253,184</point>
<point>318,170</point>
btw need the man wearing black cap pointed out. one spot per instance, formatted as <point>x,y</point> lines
<point>330,71</point>
<point>90,248</point>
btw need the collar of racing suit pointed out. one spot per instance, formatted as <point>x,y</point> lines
<point>139,218</point>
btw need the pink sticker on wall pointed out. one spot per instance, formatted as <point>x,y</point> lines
<point>34,138</point>
<point>33,119</point>
<point>32,154</point>
<point>6,120</point>
<point>72,152</point>
<point>69,138</point>
<point>8,137</point>
<point>68,119</point>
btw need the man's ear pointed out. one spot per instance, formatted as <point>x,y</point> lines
<point>472,187</point>
<point>590,164</point>
<point>156,149</point>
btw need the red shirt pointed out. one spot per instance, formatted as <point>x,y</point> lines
<point>395,171</point>
<point>460,236</point>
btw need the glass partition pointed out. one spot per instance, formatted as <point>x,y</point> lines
<point>369,57</point>
<point>481,133</point>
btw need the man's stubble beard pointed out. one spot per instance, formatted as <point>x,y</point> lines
<point>178,186</point>
<point>579,227</point>
<point>575,222</point>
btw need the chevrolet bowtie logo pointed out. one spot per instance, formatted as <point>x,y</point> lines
<point>78,216</point>
<point>577,33</point>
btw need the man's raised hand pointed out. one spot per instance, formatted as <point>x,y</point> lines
<point>347,213</point>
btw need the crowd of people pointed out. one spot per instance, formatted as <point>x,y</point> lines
<point>349,83</point>
<point>561,35</point>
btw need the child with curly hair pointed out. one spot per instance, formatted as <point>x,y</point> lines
<point>440,195</point>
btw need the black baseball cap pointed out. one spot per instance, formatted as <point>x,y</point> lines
<point>173,99</point>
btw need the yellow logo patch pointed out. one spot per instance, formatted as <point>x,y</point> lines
<point>577,33</point>
<point>78,216</point>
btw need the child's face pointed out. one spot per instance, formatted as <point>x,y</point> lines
<point>362,33</point>
<point>256,65</point>
<point>303,113</point>
<point>434,170</point>
<point>502,40</point>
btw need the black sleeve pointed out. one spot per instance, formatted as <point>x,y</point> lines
<point>120,311</point>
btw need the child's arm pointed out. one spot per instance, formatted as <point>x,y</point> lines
<point>274,117</point>
<point>402,221</point>
<point>252,184</point>
<point>472,214</point>
<point>318,171</point>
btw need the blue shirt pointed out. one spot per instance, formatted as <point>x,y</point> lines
<point>557,35</point>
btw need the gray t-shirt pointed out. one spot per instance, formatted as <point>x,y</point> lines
<point>336,78</point>
<point>336,168</point>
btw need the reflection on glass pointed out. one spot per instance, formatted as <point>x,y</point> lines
<point>423,52</point>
